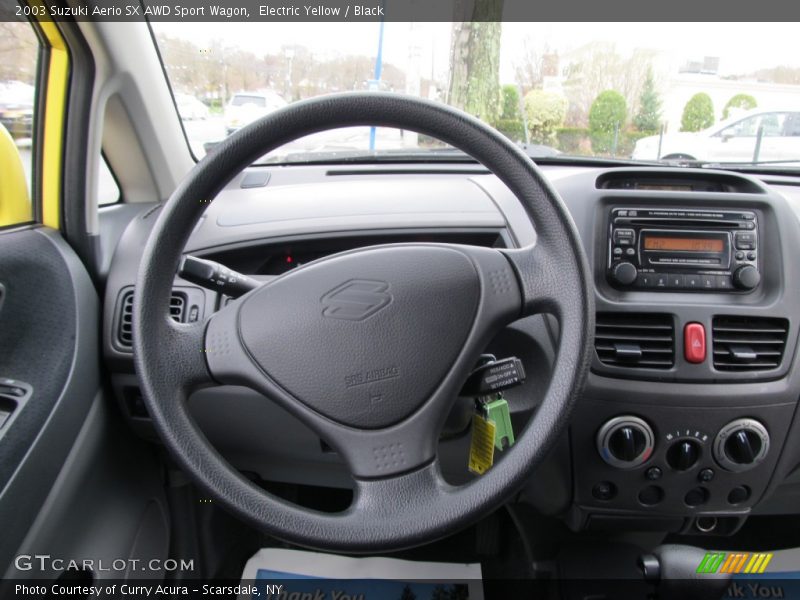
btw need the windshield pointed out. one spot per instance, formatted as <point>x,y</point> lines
<point>689,92</point>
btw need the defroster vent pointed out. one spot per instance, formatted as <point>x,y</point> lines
<point>748,343</point>
<point>177,310</point>
<point>635,340</point>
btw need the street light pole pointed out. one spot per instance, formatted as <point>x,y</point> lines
<point>289,53</point>
<point>377,80</point>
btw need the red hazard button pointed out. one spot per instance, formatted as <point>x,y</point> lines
<point>694,342</point>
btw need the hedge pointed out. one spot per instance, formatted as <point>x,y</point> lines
<point>513,129</point>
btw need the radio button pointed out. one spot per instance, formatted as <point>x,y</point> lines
<point>692,281</point>
<point>618,252</point>
<point>630,251</point>
<point>724,282</point>
<point>645,280</point>
<point>739,255</point>
<point>661,280</point>
<point>624,237</point>
<point>675,280</point>
<point>751,256</point>
<point>745,240</point>
<point>708,282</point>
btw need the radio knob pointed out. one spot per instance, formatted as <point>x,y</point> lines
<point>624,273</point>
<point>746,277</point>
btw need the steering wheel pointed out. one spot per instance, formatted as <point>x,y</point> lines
<point>369,348</point>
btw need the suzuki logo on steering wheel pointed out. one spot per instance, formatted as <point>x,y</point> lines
<point>356,299</point>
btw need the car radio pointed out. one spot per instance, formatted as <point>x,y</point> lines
<point>683,249</point>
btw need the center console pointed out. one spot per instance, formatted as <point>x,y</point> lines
<point>688,405</point>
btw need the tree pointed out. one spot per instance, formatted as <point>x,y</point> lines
<point>440,592</point>
<point>510,121</point>
<point>698,113</point>
<point>606,119</point>
<point>216,70</point>
<point>510,99</point>
<point>545,112</point>
<point>598,66</point>
<point>18,52</point>
<point>531,65</point>
<point>458,591</point>
<point>648,117</point>
<point>790,75</point>
<point>407,594</point>
<point>475,61</point>
<point>743,101</point>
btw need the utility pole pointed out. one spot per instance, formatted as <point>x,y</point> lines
<point>376,82</point>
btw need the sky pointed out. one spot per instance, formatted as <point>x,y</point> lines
<point>742,47</point>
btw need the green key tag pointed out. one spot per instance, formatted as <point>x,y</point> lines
<point>497,411</point>
<point>481,447</point>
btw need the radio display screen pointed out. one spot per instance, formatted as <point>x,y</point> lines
<point>683,244</point>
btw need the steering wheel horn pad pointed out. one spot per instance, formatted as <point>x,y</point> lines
<point>368,348</point>
<point>364,338</point>
<point>378,384</point>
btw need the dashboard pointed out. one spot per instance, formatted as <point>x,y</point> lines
<point>688,419</point>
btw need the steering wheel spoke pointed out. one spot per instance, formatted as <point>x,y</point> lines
<point>540,271</point>
<point>226,357</point>
<point>186,343</point>
<point>402,496</point>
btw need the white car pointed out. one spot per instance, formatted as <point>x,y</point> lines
<point>190,108</point>
<point>733,140</point>
<point>246,107</point>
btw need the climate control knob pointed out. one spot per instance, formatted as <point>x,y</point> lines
<point>625,442</point>
<point>741,445</point>
<point>683,455</point>
<point>624,273</point>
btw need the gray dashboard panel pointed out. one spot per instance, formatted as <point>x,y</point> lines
<point>307,201</point>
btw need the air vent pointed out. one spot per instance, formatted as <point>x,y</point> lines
<point>748,343</point>
<point>635,340</point>
<point>177,310</point>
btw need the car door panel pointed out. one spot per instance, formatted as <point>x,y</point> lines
<point>736,142</point>
<point>49,338</point>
